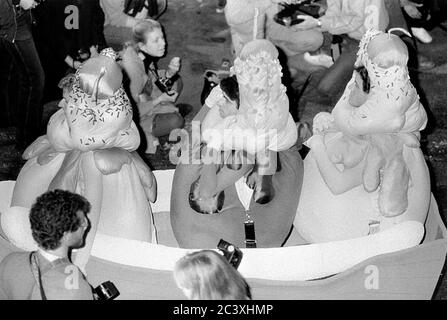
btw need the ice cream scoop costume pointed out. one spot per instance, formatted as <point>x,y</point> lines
<point>89,149</point>
<point>367,167</point>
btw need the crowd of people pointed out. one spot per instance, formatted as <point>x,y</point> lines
<point>44,42</point>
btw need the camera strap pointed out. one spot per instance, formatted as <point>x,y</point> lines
<point>250,236</point>
<point>36,273</point>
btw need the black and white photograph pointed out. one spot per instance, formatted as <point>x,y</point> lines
<point>226,150</point>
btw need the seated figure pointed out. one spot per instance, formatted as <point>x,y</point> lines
<point>89,149</point>
<point>259,126</point>
<point>365,160</point>
<point>154,91</point>
<point>243,22</point>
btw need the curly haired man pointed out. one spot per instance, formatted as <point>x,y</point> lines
<point>58,223</point>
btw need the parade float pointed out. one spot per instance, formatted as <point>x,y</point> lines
<point>397,259</point>
<point>386,265</point>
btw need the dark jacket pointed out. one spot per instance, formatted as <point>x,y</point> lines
<point>8,19</point>
<point>8,22</point>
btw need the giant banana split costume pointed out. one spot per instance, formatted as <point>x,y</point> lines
<point>365,171</point>
<point>261,122</point>
<point>89,149</point>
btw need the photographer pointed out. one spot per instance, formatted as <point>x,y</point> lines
<point>18,48</point>
<point>58,224</point>
<point>349,19</point>
<point>157,112</point>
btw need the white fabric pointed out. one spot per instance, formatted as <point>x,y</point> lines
<point>164,185</point>
<point>303,262</point>
<point>244,193</point>
<point>50,257</point>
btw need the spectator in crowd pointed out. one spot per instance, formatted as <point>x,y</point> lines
<point>423,15</point>
<point>206,275</point>
<point>350,19</point>
<point>397,20</point>
<point>240,16</point>
<point>158,115</point>
<point>122,15</point>
<point>67,33</point>
<point>58,224</point>
<point>18,48</point>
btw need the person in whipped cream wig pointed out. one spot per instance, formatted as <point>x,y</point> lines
<point>366,152</point>
<point>260,127</point>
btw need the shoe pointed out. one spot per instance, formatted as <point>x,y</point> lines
<point>422,35</point>
<point>321,59</point>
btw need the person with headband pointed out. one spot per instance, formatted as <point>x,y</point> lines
<point>365,157</point>
<point>158,114</point>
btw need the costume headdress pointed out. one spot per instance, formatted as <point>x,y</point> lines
<point>258,72</point>
<point>97,109</point>
<point>385,56</point>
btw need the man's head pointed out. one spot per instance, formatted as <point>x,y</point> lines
<point>59,218</point>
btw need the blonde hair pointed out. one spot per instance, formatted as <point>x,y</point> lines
<point>142,28</point>
<point>210,277</point>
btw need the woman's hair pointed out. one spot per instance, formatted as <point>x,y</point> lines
<point>210,277</point>
<point>142,28</point>
<point>365,78</point>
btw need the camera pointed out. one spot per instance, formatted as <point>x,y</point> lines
<point>165,84</point>
<point>106,291</point>
<point>232,253</point>
<point>288,16</point>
